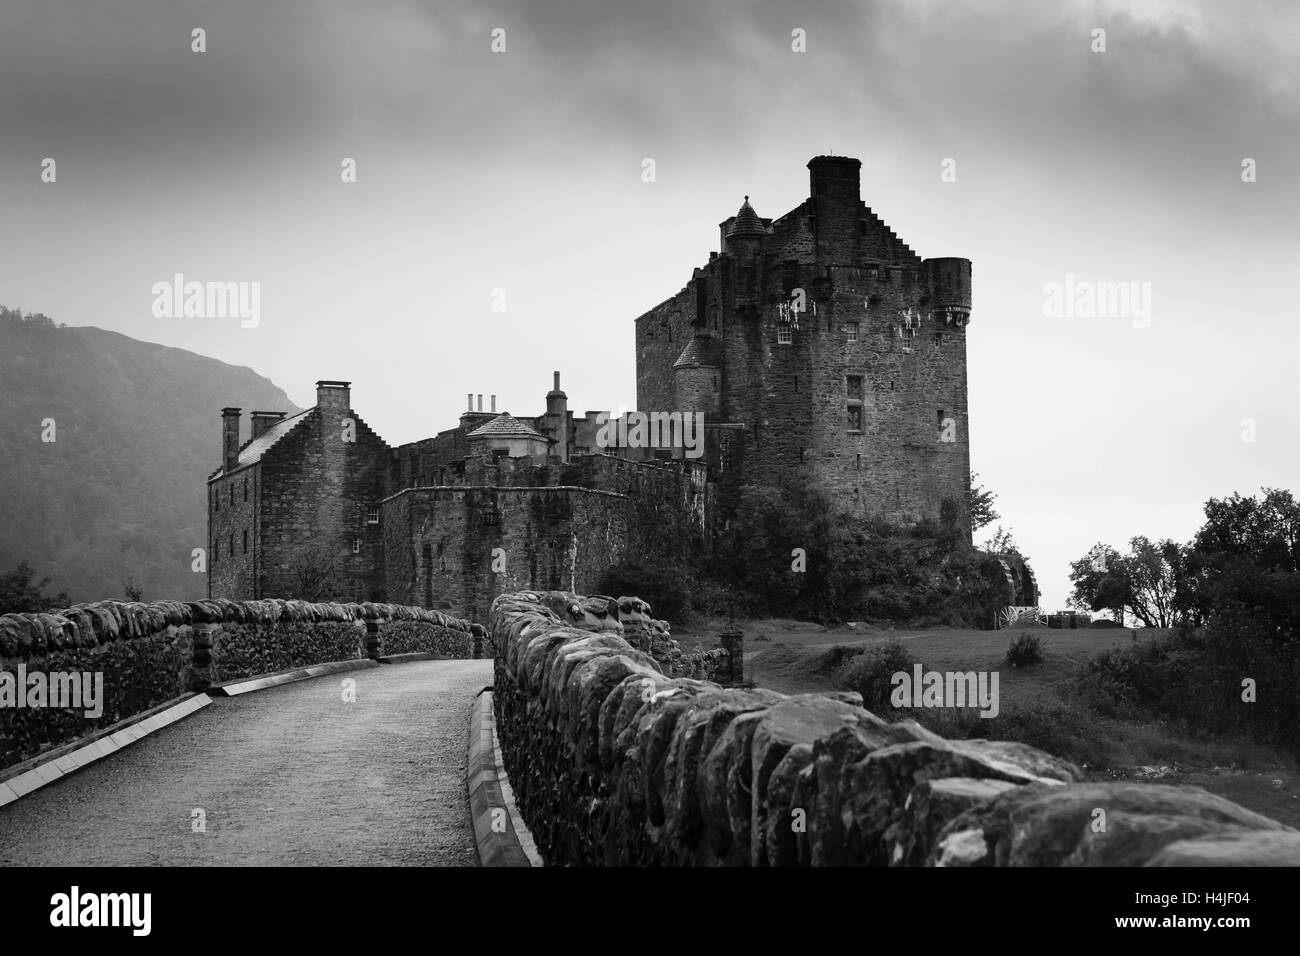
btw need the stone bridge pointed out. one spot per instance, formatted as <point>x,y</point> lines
<point>615,748</point>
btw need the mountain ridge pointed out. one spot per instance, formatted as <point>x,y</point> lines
<point>120,492</point>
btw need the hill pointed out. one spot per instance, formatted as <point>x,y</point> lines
<point>120,491</point>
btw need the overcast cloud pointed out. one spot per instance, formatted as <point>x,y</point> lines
<point>521,171</point>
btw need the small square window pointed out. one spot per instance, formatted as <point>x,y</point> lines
<point>852,329</point>
<point>855,387</point>
<point>784,335</point>
<point>245,541</point>
<point>855,418</point>
<point>372,516</point>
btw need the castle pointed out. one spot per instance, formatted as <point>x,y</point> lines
<point>815,347</point>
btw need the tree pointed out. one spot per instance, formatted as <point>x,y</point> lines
<point>18,593</point>
<point>1246,562</point>
<point>313,574</point>
<point>1145,582</point>
<point>132,590</point>
<point>1004,542</point>
<point>981,505</point>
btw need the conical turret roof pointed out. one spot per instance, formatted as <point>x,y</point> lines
<point>747,224</point>
<point>701,350</point>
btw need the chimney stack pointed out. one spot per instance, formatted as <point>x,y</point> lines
<point>494,404</point>
<point>835,183</point>
<point>264,420</point>
<point>557,420</point>
<point>335,395</point>
<point>480,401</point>
<point>469,401</point>
<point>229,438</point>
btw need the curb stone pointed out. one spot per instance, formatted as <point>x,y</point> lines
<point>489,790</point>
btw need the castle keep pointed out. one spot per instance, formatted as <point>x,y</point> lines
<point>820,345</point>
<point>816,347</point>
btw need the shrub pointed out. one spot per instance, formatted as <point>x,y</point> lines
<point>871,673</point>
<point>1025,650</point>
<point>664,587</point>
<point>1194,681</point>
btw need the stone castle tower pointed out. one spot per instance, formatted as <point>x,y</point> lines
<point>820,344</point>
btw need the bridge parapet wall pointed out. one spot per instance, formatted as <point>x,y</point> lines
<point>615,763</point>
<point>142,655</point>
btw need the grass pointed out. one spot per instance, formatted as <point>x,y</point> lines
<point>1037,703</point>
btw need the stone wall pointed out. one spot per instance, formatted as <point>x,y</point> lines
<point>614,763</point>
<point>149,654</point>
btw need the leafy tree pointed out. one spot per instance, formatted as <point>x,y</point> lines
<point>19,591</point>
<point>980,505</point>
<point>1145,582</point>
<point>132,590</point>
<point>1245,562</point>
<point>1004,542</point>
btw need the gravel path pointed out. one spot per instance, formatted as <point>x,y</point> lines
<point>290,776</point>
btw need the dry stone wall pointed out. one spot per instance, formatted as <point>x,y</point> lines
<point>615,763</point>
<point>148,654</point>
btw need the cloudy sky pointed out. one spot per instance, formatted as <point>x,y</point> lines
<point>521,171</point>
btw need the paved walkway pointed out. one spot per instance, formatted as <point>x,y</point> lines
<point>290,776</point>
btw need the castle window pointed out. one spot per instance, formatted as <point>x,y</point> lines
<point>855,418</point>
<point>855,387</point>
<point>245,541</point>
<point>216,499</point>
<point>356,545</point>
<point>852,329</point>
<point>245,487</point>
<point>857,461</point>
<point>784,335</point>
<point>796,383</point>
<point>873,273</point>
<point>232,545</point>
<point>372,516</point>
<point>670,333</point>
<point>232,493</point>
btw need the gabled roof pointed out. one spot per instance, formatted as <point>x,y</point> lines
<point>255,448</point>
<point>505,425</point>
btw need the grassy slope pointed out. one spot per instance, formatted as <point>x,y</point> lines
<point>796,657</point>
